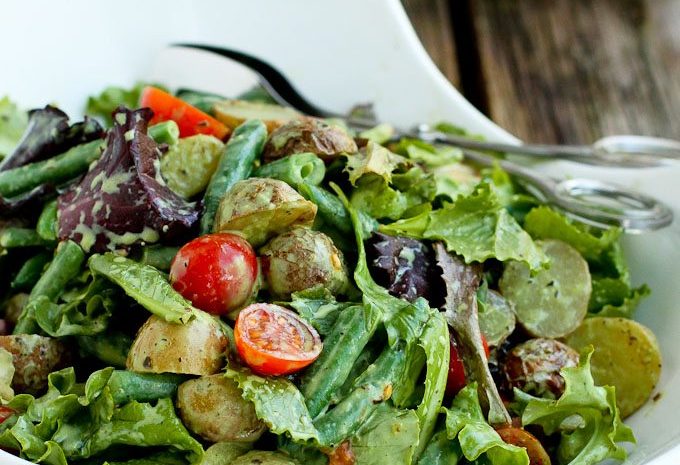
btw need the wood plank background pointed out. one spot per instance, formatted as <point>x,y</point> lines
<point>566,71</point>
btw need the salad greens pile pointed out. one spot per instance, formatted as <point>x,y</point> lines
<point>190,279</point>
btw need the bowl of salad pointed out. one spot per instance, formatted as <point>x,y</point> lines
<point>190,276</point>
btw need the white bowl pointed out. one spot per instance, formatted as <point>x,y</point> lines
<point>340,53</point>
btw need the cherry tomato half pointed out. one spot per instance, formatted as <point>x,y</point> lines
<point>456,379</point>
<point>519,437</point>
<point>216,272</point>
<point>273,340</point>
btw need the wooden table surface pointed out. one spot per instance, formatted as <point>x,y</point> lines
<point>567,71</point>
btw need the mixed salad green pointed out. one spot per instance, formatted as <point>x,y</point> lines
<point>191,279</point>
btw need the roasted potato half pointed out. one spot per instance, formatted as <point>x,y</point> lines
<point>261,208</point>
<point>189,164</point>
<point>195,348</point>
<point>213,408</point>
<point>300,259</point>
<point>13,308</point>
<point>34,357</point>
<point>234,112</point>
<point>534,366</point>
<point>259,457</point>
<point>309,135</point>
<point>224,453</point>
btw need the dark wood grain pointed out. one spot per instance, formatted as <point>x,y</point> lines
<point>575,70</point>
<point>432,21</point>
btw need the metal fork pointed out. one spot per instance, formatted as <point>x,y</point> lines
<point>593,202</point>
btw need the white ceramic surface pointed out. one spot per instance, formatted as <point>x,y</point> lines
<point>340,53</point>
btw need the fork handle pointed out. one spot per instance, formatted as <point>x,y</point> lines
<point>616,151</point>
<point>429,134</point>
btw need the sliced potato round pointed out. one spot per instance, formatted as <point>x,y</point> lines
<point>189,164</point>
<point>213,408</point>
<point>627,356</point>
<point>34,357</point>
<point>195,348</point>
<point>552,302</point>
<point>261,208</point>
<point>259,457</point>
<point>309,135</point>
<point>496,318</point>
<point>234,112</point>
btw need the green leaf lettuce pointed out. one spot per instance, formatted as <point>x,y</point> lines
<point>13,121</point>
<point>585,415</point>
<point>476,226</point>
<point>465,422</point>
<point>74,421</point>
<point>388,437</point>
<point>146,285</point>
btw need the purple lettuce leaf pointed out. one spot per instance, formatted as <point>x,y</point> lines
<point>403,265</point>
<point>48,133</point>
<point>123,200</point>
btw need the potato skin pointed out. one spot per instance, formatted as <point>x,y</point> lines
<point>261,208</point>
<point>14,307</point>
<point>34,357</point>
<point>196,348</point>
<point>534,366</point>
<point>300,259</point>
<point>308,135</point>
<point>213,408</point>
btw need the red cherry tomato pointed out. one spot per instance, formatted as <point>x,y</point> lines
<point>190,119</point>
<point>456,379</point>
<point>216,272</point>
<point>5,413</point>
<point>273,340</point>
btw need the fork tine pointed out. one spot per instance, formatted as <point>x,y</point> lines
<point>278,86</point>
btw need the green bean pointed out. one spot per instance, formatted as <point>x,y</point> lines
<point>236,164</point>
<point>343,345</point>
<point>158,256</point>
<point>111,348</point>
<point>127,386</point>
<point>12,238</point>
<point>295,169</point>
<point>330,207</point>
<point>47,222</point>
<point>66,265</point>
<point>166,132</point>
<point>371,388</point>
<point>56,170</point>
<point>70,164</point>
<point>30,271</point>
